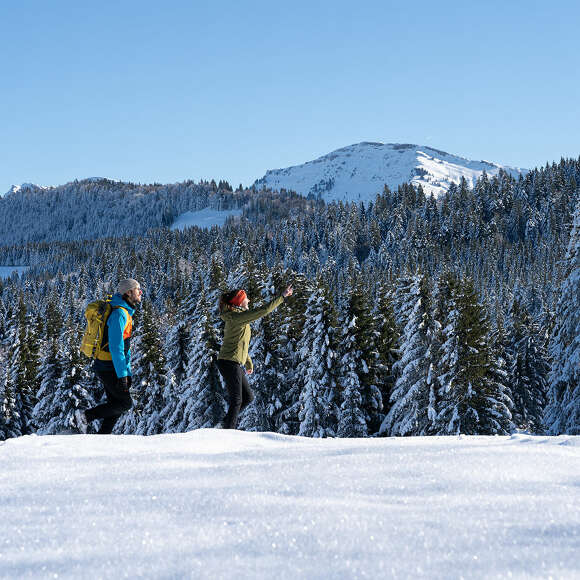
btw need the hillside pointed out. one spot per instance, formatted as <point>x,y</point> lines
<point>95,208</point>
<point>359,172</point>
<point>217,504</point>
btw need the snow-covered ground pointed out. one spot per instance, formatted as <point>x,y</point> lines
<point>204,218</point>
<point>359,172</point>
<point>229,504</point>
<point>7,271</point>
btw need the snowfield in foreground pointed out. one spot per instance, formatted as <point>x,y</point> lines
<point>229,504</point>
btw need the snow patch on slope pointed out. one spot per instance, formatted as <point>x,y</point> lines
<point>204,218</point>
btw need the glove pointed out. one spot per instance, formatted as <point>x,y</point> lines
<point>123,383</point>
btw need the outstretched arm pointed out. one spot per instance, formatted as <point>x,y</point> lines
<point>251,315</point>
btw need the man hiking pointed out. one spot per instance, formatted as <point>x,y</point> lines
<point>233,357</point>
<point>113,363</point>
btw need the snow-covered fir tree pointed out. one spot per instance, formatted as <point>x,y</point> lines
<point>202,403</point>
<point>388,337</point>
<point>358,341</point>
<point>149,367</point>
<point>50,371</point>
<point>528,371</point>
<point>292,324</point>
<point>22,376</point>
<point>9,426</point>
<point>274,350</point>
<point>413,409</point>
<point>176,346</point>
<point>472,401</point>
<point>76,386</point>
<point>319,366</point>
<point>352,422</point>
<point>563,411</point>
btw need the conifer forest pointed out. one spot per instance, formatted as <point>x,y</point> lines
<point>410,315</point>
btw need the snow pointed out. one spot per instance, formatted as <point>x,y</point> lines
<point>229,504</point>
<point>205,218</point>
<point>7,271</point>
<point>24,187</point>
<point>359,172</point>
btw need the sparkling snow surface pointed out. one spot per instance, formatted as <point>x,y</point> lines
<point>359,172</point>
<point>225,504</point>
<point>204,218</point>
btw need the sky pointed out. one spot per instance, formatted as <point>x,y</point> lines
<point>167,91</point>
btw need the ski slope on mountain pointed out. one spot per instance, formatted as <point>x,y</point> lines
<point>229,504</point>
<point>359,172</point>
<point>204,218</point>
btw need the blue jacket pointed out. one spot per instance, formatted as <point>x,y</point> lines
<point>118,336</point>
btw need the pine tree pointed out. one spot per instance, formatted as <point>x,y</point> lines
<point>22,376</point>
<point>528,370</point>
<point>50,372</point>
<point>149,369</point>
<point>202,402</point>
<point>287,419</point>
<point>563,410</point>
<point>499,371</point>
<point>318,367</point>
<point>76,384</point>
<point>50,368</point>
<point>387,346</point>
<point>9,426</point>
<point>352,421</point>
<point>176,348</point>
<point>413,399</point>
<point>360,337</point>
<point>472,400</point>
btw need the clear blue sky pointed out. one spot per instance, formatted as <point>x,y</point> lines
<point>172,90</point>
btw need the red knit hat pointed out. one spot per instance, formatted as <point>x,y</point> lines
<point>238,298</point>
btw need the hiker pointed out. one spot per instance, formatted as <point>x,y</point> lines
<point>113,363</point>
<point>233,357</point>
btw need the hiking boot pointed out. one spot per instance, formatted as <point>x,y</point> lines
<point>81,421</point>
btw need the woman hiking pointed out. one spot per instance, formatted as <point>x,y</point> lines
<point>233,358</point>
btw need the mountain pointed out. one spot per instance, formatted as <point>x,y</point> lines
<point>358,172</point>
<point>25,187</point>
<point>98,207</point>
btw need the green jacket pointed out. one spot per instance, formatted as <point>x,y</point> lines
<point>237,332</point>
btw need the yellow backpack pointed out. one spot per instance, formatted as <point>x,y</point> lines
<point>96,313</point>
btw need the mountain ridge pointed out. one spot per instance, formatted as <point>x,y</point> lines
<point>359,172</point>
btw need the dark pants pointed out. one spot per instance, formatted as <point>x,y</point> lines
<point>118,401</point>
<point>239,393</point>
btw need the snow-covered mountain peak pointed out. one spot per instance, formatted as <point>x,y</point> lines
<point>24,187</point>
<point>358,172</point>
<point>34,187</point>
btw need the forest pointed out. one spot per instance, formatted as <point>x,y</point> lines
<point>410,316</point>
